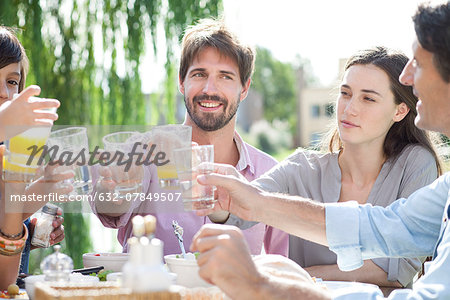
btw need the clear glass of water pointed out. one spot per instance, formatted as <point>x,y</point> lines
<point>190,163</point>
<point>125,148</point>
<point>72,150</point>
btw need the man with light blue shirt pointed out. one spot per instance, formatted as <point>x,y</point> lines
<point>416,226</point>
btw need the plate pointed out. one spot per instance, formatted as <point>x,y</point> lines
<point>22,295</point>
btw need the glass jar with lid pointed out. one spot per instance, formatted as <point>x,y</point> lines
<point>57,266</point>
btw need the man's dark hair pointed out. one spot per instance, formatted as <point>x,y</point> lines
<point>432,25</point>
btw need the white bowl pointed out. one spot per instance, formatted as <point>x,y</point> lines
<point>110,261</point>
<point>30,281</point>
<point>186,270</point>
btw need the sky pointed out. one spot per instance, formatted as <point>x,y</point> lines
<point>322,31</point>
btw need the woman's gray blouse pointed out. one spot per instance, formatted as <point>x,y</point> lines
<point>318,176</point>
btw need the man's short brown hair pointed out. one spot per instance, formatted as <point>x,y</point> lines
<point>213,33</point>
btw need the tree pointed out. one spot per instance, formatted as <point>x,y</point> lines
<point>277,83</point>
<point>87,54</point>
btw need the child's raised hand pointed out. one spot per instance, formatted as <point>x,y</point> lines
<point>19,114</point>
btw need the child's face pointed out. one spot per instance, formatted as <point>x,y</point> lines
<point>9,81</point>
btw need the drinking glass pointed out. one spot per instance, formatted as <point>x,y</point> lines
<point>72,151</point>
<point>124,147</point>
<point>167,138</point>
<point>191,162</point>
<point>23,151</point>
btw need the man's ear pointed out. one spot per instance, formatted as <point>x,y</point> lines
<point>180,84</point>
<point>402,111</point>
<point>245,89</point>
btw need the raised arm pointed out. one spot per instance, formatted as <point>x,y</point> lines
<point>406,228</point>
<point>295,215</point>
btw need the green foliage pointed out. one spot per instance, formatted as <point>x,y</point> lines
<point>87,54</point>
<point>271,138</point>
<point>61,37</point>
<point>276,82</point>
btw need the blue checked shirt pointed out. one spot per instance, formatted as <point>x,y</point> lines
<point>412,227</point>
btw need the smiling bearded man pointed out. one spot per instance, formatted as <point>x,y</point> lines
<point>209,122</point>
<point>214,77</point>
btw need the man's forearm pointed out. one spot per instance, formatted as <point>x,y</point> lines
<point>369,273</point>
<point>295,215</point>
<point>288,289</point>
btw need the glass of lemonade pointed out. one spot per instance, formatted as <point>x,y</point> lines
<point>18,164</point>
<point>167,138</point>
<point>23,151</point>
<point>71,145</point>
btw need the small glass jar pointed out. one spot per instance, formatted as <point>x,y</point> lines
<point>57,266</point>
<point>44,227</point>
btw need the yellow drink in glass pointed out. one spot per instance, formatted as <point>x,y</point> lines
<point>16,164</point>
<point>167,171</point>
<point>168,138</point>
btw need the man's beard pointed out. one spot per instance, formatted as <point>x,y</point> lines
<point>210,121</point>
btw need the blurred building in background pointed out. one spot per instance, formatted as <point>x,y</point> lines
<point>315,109</point>
<point>250,110</point>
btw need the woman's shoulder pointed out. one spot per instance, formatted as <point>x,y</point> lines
<point>310,157</point>
<point>415,160</point>
<point>416,153</point>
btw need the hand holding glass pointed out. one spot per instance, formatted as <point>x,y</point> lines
<point>72,148</point>
<point>126,173</point>
<point>191,162</point>
<point>167,138</point>
<point>18,166</point>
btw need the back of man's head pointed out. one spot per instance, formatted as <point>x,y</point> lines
<point>432,25</point>
<point>213,33</point>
